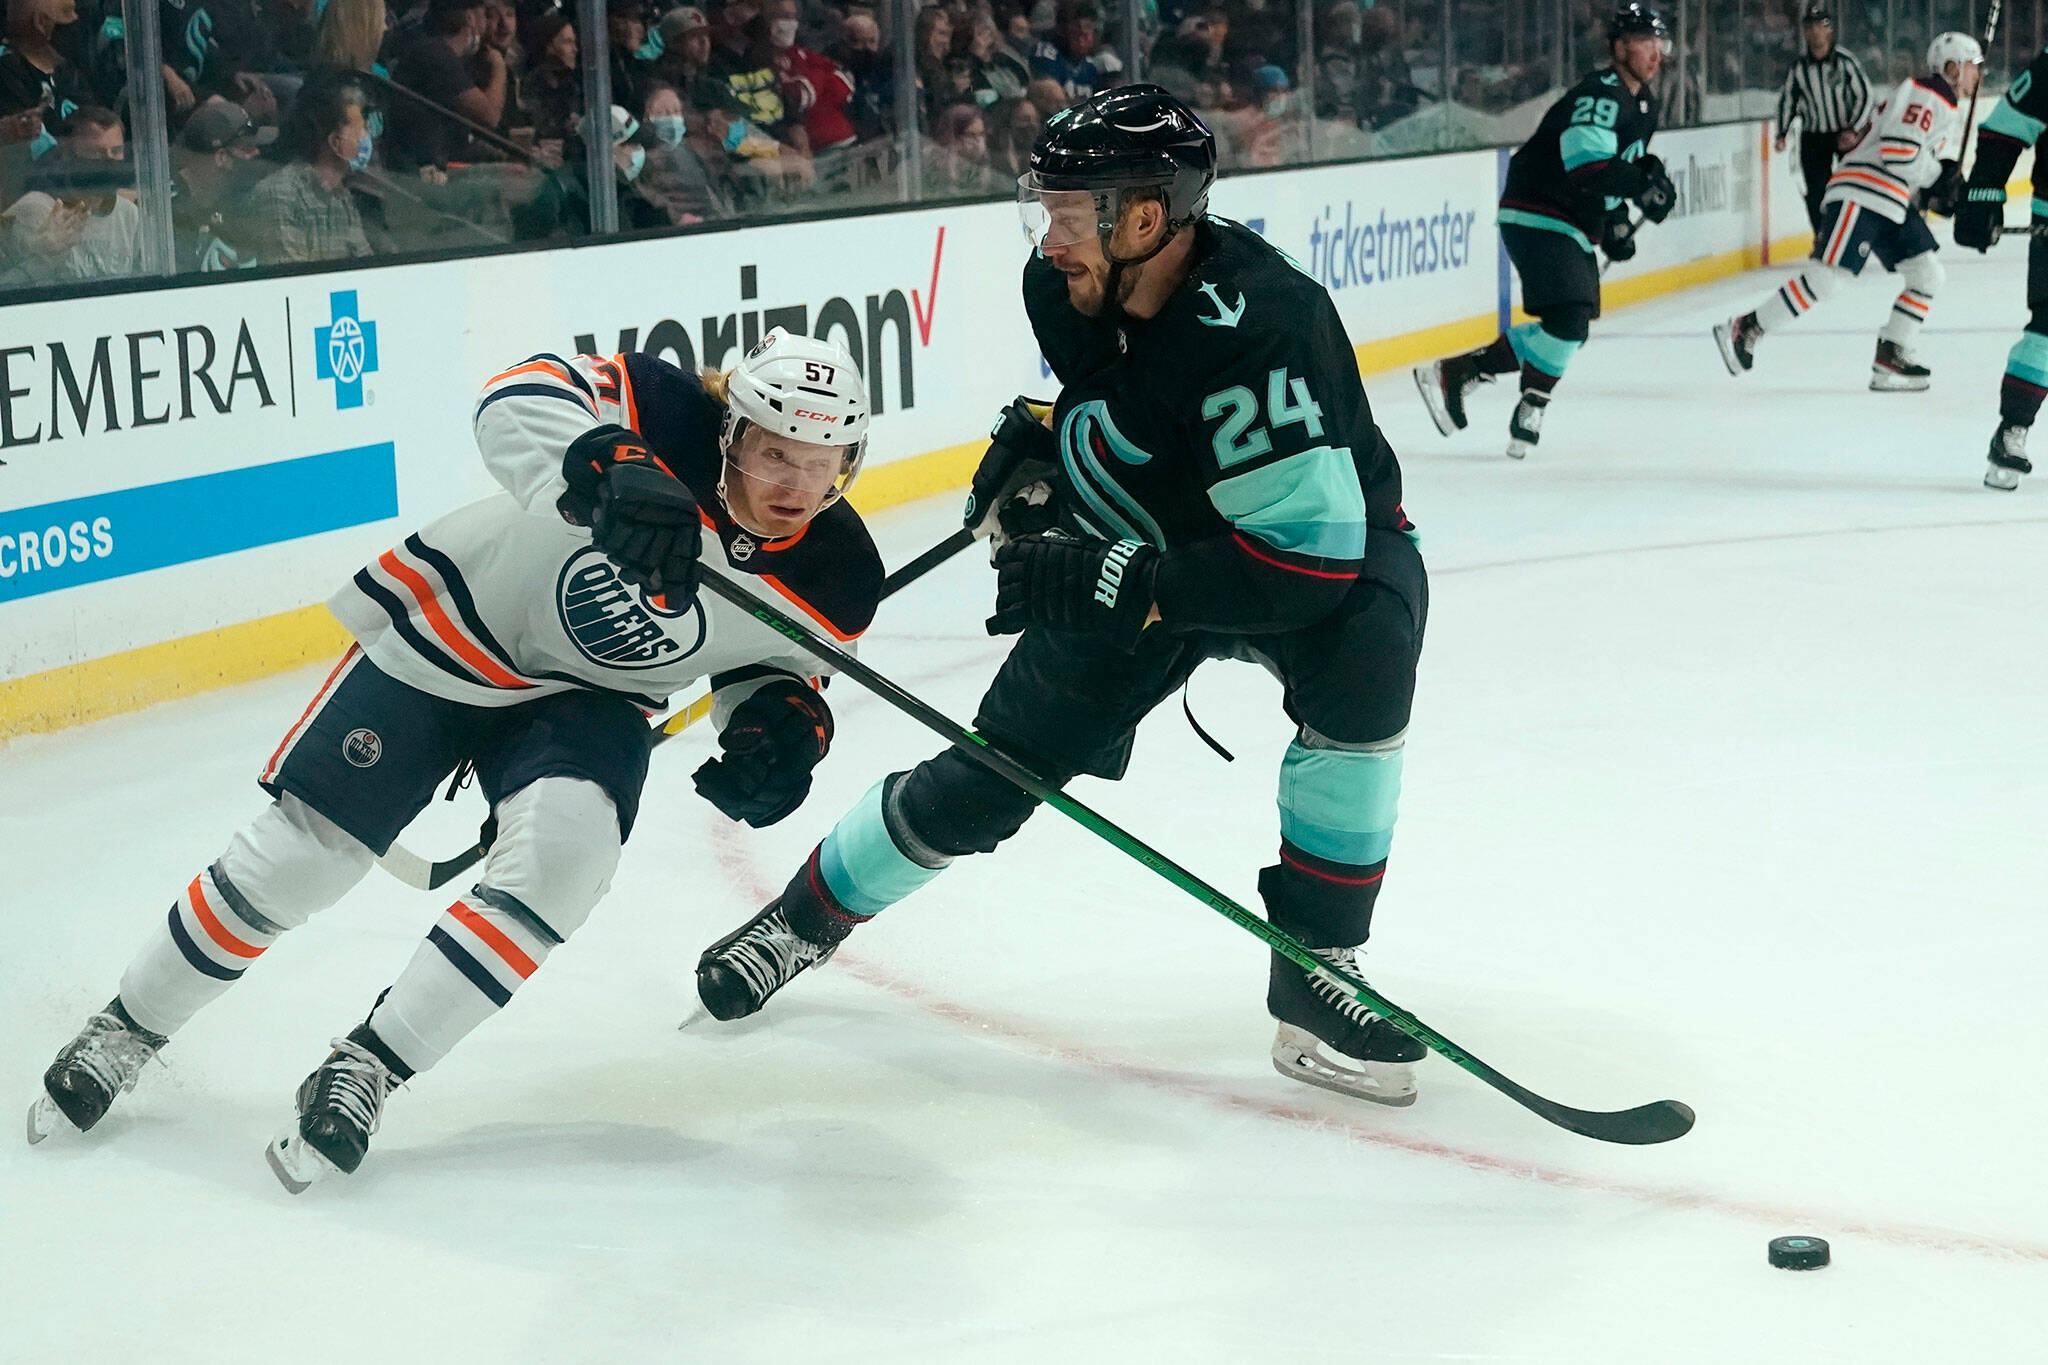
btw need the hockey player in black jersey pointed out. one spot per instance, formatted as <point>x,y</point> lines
<point>1220,490</point>
<point>1569,191</point>
<point>520,638</point>
<point>2019,121</point>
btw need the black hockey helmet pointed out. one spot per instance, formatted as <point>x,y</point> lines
<point>1634,18</point>
<point>1128,138</point>
<point>1817,13</point>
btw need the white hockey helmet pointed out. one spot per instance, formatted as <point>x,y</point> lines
<point>801,389</point>
<point>1953,47</point>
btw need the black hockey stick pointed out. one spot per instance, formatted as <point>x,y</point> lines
<point>422,875</point>
<point>1635,224</point>
<point>1658,1122</point>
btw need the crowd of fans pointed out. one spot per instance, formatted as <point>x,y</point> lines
<point>319,130</point>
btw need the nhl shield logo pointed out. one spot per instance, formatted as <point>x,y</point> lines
<point>614,624</point>
<point>362,748</point>
<point>743,548</point>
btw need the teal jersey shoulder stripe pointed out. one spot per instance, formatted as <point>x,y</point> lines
<point>1520,218</point>
<point>1583,143</point>
<point>2011,122</point>
<point>1309,503</point>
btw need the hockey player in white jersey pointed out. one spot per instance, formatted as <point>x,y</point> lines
<point>1910,148</point>
<point>526,636</point>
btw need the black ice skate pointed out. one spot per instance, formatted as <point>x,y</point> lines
<point>339,1105</point>
<point>1525,428</point>
<point>1737,339</point>
<point>1328,1039</point>
<point>738,973</point>
<point>1893,371</point>
<point>2008,458</point>
<point>1444,384</point>
<point>105,1059</point>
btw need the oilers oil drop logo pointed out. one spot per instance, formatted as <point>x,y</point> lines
<point>616,625</point>
<point>362,748</point>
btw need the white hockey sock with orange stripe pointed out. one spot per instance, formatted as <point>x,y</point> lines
<point>1923,275</point>
<point>476,955</point>
<point>557,846</point>
<point>278,870</point>
<point>1798,295</point>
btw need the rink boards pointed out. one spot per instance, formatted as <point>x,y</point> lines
<point>189,472</point>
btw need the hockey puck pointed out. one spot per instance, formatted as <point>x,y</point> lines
<point>1798,1253</point>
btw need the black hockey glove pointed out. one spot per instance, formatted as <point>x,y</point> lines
<point>1980,216</point>
<point>1658,196</point>
<point>639,513</point>
<point>774,739</point>
<point>1618,238</point>
<point>1012,492</point>
<point>1062,583</point>
<point>1946,192</point>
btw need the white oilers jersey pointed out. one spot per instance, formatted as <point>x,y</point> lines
<point>1910,133</point>
<point>503,600</point>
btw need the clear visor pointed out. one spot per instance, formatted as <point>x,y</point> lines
<point>798,473</point>
<point>1055,218</point>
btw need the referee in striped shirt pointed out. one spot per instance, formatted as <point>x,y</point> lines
<point>1827,93</point>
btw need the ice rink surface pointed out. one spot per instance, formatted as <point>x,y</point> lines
<point>1725,784</point>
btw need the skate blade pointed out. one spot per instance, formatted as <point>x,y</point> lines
<point>1299,1055</point>
<point>45,1118</point>
<point>296,1165</point>
<point>1884,381</point>
<point>1724,337</point>
<point>2005,480</point>
<point>1519,450</point>
<point>1428,382</point>
<point>697,1015</point>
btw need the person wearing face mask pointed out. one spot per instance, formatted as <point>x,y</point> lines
<point>637,210</point>
<point>434,64</point>
<point>743,58</point>
<point>871,110</point>
<point>305,212</point>
<point>212,167</point>
<point>817,87</point>
<point>676,177</point>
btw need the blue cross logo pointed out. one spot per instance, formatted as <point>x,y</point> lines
<point>346,350</point>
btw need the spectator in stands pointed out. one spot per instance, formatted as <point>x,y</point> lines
<point>817,86</point>
<point>38,85</point>
<point>432,65</point>
<point>1068,57</point>
<point>93,133</point>
<point>305,212</point>
<point>554,92</point>
<point>932,43</point>
<point>1048,94</point>
<point>637,211</point>
<point>501,35</point>
<point>743,59</point>
<point>686,47</point>
<point>210,175</point>
<point>997,68</point>
<point>957,163</point>
<point>634,51</point>
<point>1338,31</point>
<point>351,35</point>
<point>759,167</point>
<point>73,224</point>
<point>677,177</point>
<point>1015,125</point>
<point>1177,64</point>
<point>1387,89</point>
<point>872,108</point>
<point>220,47</point>
<point>292,26</point>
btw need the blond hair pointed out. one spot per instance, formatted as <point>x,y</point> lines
<point>715,383</point>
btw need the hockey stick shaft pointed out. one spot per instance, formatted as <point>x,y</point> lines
<point>422,875</point>
<point>1657,1122</point>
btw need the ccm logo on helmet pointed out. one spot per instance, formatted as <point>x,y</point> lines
<point>817,416</point>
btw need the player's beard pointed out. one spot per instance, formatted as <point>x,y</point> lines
<point>1089,293</point>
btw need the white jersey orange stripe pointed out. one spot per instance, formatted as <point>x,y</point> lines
<point>1909,134</point>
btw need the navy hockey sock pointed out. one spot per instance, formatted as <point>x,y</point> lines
<point>1325,904</point>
